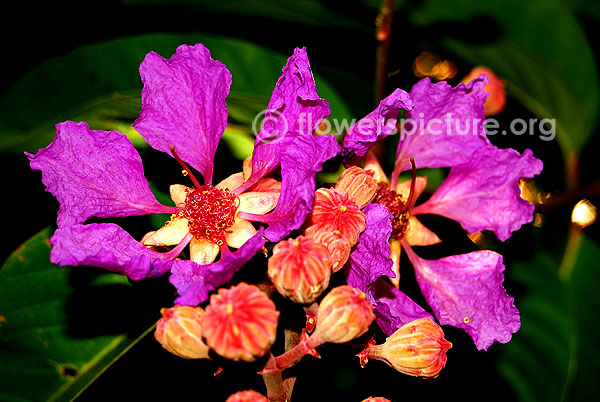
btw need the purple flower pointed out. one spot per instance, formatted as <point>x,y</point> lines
<point>99,174</point>
<point>443,128</point>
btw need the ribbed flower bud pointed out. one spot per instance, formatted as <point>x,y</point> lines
<point>376,399</point>
<point>179,332</point>
<point>300,269</point>
<point>343,314</point>
<point>247,396</point>
<point>336,211</point>
<point>359,184</point>
<point>417,348</point>
<point>338,247</point>
<point>240,323</point>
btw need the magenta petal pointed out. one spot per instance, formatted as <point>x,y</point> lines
<point>295,108</point>
<point>446,125</point>
<point>371,256</point>
<point>194,281</point>
<point>484,193</point>
<point>94,173</point>
<point>302,159</point>
<point>466,291</point>
<point>375,126</point>
<point>183,104</point>
<point>106,245</point>
<point>371,260</point>
<point>394,309</point>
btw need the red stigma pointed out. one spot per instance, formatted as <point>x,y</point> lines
<point>210,211</point>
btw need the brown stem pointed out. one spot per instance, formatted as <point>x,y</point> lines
<point>383,23</point>
<point>275,390</point>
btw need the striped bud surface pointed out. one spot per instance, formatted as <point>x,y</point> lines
<point>417,348</point>
<point>247,396</point>
<point>343,314</point>
<point>336,211</point>
<point>179,331</point>
<point>240,323</point>
<point>300,269</point>
<point>338,247</point>
<point>359,184</point>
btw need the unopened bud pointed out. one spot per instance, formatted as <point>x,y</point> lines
<point>417,348</point>
<point>343,314</point>
<point>338,247</point>
<point>359,184</point>
<point>247,396</point>
<point>179,332</point>
<point>240,323</point>
<point>336,211</point>
<point>300,269</point>
<point>376,399</point>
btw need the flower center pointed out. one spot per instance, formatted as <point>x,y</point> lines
<point>397,207</point>
<point>210,211</point>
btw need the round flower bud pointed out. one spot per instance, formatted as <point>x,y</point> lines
<point>343,314</point>
<point>247,396</point>
<point>338,247</point>
<point>240,323</point>
<point>335,210</point>
<point>359,184</point>
<point>376,399</point>
<point>417,348</point>
<point>300,269</point>
<point>179,332</point>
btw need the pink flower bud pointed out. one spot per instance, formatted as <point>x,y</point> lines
<point>336,211</point>
<point>247,396</point>
<point>343,314</point>
<point>179,332</point>
<point>338,247</point>
<point>417,348</point>
<point>240,323</point>
<point>300,269</point>
<point>376,399</point>
<point>359,184</point>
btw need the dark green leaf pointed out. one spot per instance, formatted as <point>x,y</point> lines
<point>558,337</point>
<point>543,55</point>
<point>55,337</point>
<point>100,84</point>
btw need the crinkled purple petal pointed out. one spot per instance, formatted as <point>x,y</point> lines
<point>445,126</point>
<point>375,126</point>
<point>394,309</point>
<point>183,104</point>
<point>295,109</point>
<point>371,256</point>
<point>94,173</point>
<point>466,291</point>
<point>484,193</point>
<point>194,281</point>
<point>106,245</point>
<point>371,260</point>
<point>302,159</point>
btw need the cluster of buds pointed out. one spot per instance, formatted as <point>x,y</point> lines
<point>240,323</point>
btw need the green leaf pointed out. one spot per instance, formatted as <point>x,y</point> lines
<point>309,12</point>
<point>559,332</point>
<point>543,55</point>
<point>55,337</point>
<point>100,84</point>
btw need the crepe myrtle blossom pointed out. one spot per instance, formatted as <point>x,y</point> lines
<point>481,192</point>
<point>99,174</point>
